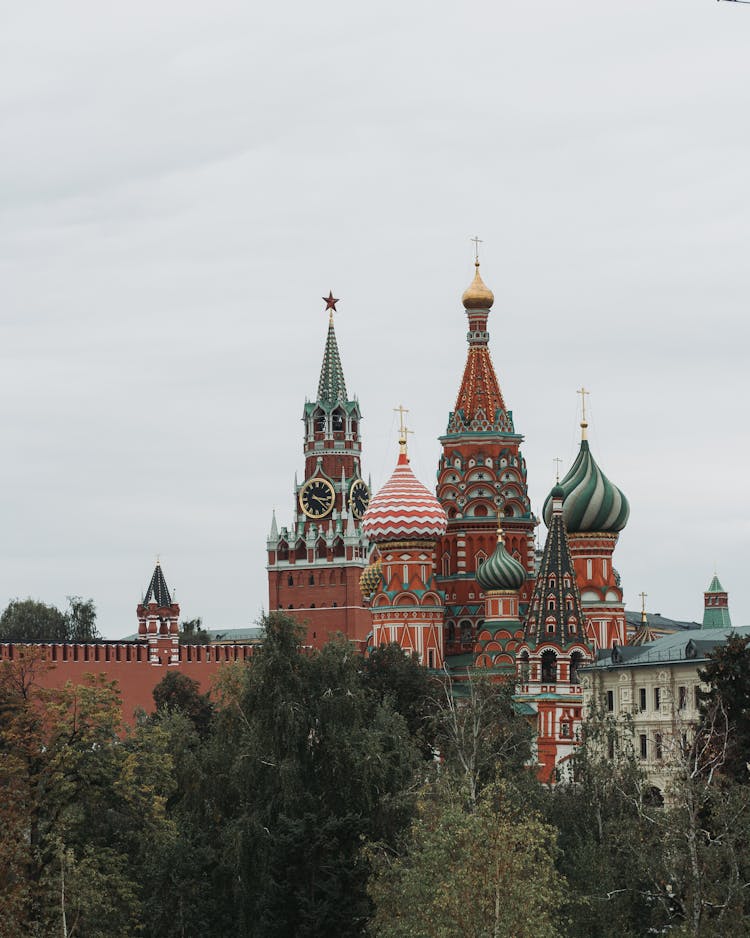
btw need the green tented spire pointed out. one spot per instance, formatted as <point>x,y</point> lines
<point>716,606</point>
<point>331,387</point>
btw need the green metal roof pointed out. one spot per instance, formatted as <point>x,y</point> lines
<point>715,586</point>
<point>331,387</point>
<point>690,645</point>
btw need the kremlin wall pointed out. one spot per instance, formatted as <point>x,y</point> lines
<point>452,576</point>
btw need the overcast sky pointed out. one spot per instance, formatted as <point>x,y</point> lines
<point>182,182</point>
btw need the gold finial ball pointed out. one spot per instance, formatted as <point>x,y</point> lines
<point>478,295</point>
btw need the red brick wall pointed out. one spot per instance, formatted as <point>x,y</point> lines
<point>136,677</point>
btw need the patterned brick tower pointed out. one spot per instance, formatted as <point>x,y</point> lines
<point>501,577</point>
<point>595,512</point>
<point>554,648</point>
<point>159,620</point>
<point>481,472</point>
<point>314,565</point>
<point>405,520</point>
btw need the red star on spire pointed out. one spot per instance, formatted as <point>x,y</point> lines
<point>330,301</point>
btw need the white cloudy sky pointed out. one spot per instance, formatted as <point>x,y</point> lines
<point>182,182</point>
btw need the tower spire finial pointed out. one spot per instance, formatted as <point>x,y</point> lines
<point>330,302</point>
<point>477,241</point>
<point>403,430</point>
<point>500,535</point>
<point>644,617</point>
<point>557,462</point>
<point>584,425</point>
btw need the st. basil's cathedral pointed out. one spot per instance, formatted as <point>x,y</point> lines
<point>454,576</point>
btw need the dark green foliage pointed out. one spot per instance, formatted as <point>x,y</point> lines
<point>261,811</point>
<point>728,674</point>
<point>26,620</point>
<point>391,674</point>
<point>178,692</point>
<point>479,734</point>
<point>610,850</point>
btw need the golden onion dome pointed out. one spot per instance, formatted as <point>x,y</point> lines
<point>370,578</point>
<point>478,295</point>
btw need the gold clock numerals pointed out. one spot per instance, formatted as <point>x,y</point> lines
<point>316,498</point>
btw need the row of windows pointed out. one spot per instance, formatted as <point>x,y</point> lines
<point>325,578</point>
<point>682,698</point>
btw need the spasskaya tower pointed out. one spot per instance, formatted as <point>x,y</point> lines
<point>314,565</point>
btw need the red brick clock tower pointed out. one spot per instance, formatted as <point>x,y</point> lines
<point>315,563</point>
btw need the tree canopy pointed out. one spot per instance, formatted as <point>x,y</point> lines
<point>27,620</point>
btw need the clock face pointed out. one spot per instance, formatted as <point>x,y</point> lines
<point>316,498</point>
<point>359,498</point>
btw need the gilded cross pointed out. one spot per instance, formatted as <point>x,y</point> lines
<point>402,428</point>
<point>584,393</point>
<point>557,462</point>
<point>477,241</point>
<point>643,601</point>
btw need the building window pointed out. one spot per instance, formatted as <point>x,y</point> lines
<point>290,580</point>
<point>565,730</point>
<point>642,699</point>
<point>431,658</point>
<point>311,581</point>
<point>524,667</point>
<point>681,698</point>
<point>610,701</point>
<point>697,695</point>
<point>551,604</point>
<point>657,698</point>
<point>644,745</point>
<point>658,751</point>
<point>611,747</point>
<point>549,667</point>
<point>576,660</point>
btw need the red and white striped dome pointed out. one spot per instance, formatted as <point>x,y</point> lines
<point>404,509</point>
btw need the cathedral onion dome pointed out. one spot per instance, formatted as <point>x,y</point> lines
<point>478,295</point>
<point>371,577</point>
<point>404,509</point>
<point>591,501</point>
<point>501,571</point>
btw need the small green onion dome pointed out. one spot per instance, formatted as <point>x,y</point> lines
<point>557,492</point>
<point>501,571</point>
<point>370,578</point>
<point>591,501</point>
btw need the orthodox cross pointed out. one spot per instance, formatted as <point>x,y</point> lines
<point>557,462</point>
<point>477,241</point>
<point>583,392</point>
<point>643,602</point>
<point>402,428</point>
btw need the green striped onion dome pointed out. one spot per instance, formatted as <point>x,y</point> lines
<point>592,502</point>
<point>501,571</point>
<point>370,578</point>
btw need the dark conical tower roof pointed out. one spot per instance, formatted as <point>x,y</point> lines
<point>332,386</point>
<point>555,613</point>
<point>158,591</point>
